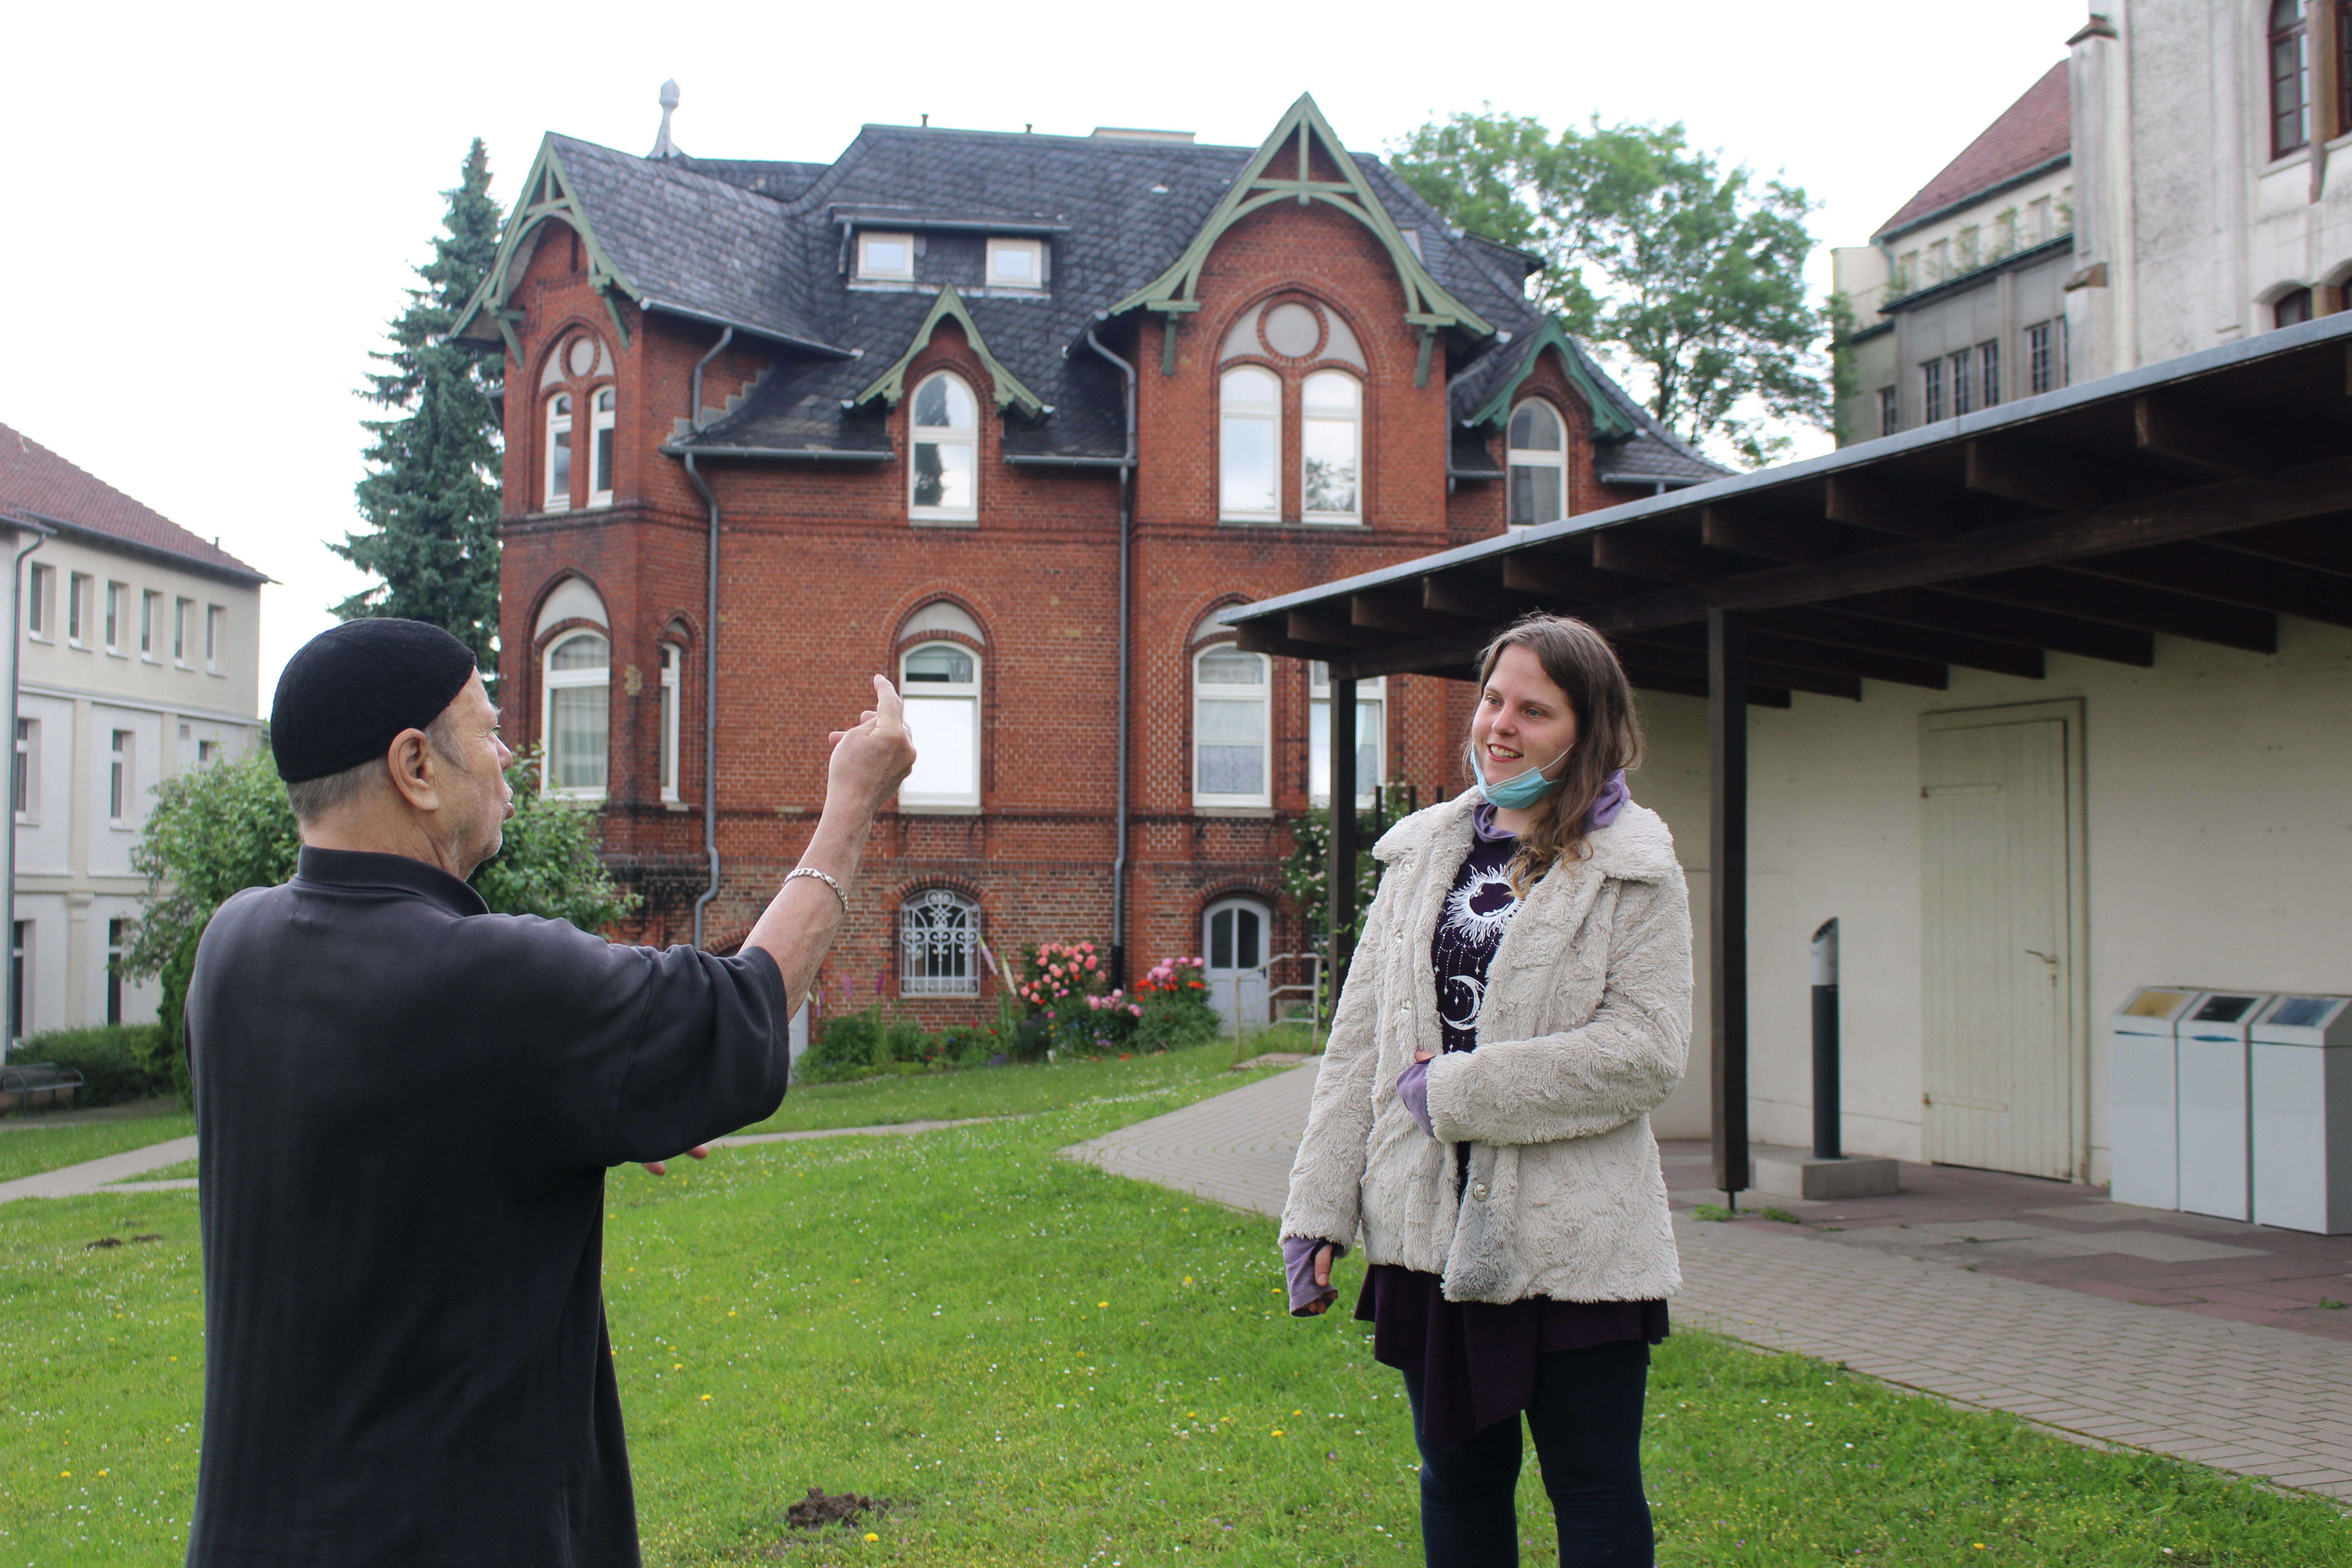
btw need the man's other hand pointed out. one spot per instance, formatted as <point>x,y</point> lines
<point>870,762</point>
<point>661,1167</point>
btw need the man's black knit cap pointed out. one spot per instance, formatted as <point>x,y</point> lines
<point>350,689</point>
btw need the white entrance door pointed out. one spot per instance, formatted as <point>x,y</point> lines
<point>1232,942</point>
<point>2001,1070</point>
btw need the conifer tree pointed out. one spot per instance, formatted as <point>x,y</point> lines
<point>431,492</point>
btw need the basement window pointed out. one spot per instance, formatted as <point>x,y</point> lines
<point>885,258</point>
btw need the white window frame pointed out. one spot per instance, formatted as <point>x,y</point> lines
<point>24,783</point>
<point>216,623</point>
<point>1262,694</point>
<point>1034,249</point>
<point>1372,730</point>
<point>40,618</point>
<point>1517,457</point>
<point>180,608</point>
<point>555,497</point>
<point>604,438</point>
<point>942,435</point>
<point>868,273</point>
<point>551,681</point>
<point>921,945</point>
<point>1352,423</point>
<point>123,779</point>
<point>960,694</point>
<point>673,660</point>
<point>1234,414</point>
<point>78,610</point>
<point>150,607</point>
<point>117,604</point>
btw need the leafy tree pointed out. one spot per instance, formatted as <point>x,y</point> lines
<point>1692,272</point>
<point>431,492</point>
<point>220,829</point>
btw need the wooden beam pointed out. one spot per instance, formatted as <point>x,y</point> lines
<point>1642,679</point>
<point>2039,476</point>
<point>1332,628</point>
<point>2229,577</point>
<point>2169,426</point>
<point>1677,658</point>
<point>1455,593</point>
<point>1768,535</point>
<point>1892,637</point>
<point>1388,610</point>
<point>1727,734</point>
<point>2128,605</point>
<point>1563,583</point>
<point>2026,628</point>
<point>1802,653</point>
<point>1272,636</point>
<point>2314,489</point>
<point>1914,511</point>
<point>1637,553</point>
<point>2322,541</point>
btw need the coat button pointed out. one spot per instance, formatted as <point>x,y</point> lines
<point>1479,1192</point>
<point>1404,1006</point>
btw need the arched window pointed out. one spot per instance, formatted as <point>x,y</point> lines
<point>576,715</point>
<point>1372,735</point>
<point>604,413</point>
<point>1330,448</point>
<point>941,683</point>
<point>559,452</point>
<point>1230,738</point>
<point>1539,460</point>
<point>1249,445</point>
<point>938,945</point>
<point>2289,76</point>
<point>946,463</point>
<point>673,657</point>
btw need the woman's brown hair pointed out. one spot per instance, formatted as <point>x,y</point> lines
<point>1579,661</point>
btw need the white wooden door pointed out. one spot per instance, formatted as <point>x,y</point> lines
<point>1233,936</point>
<point>1999,1063</point>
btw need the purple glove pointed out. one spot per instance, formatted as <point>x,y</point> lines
<point>1412,1087</point>
<point>1298,1262</point>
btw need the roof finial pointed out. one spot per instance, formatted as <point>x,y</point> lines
<point>663,146</point>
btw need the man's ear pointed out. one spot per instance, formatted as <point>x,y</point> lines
<point>415,770</point>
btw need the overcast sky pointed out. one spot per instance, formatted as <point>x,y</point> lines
<point>213,209</point>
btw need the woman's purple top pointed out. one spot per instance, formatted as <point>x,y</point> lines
<point>1475,1359</point>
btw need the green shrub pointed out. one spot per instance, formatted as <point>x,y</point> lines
<point>843,1047</point>
<point>1175,1004</point>
<point>118,1062</point>
<point>905,1041</point>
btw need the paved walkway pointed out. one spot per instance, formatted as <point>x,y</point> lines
<point>2244,1396</point>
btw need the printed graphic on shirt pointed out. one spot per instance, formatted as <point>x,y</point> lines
<point>1477,911</point>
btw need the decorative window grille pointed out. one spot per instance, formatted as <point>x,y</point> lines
<point>938,945</point>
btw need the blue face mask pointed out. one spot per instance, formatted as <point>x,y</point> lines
<point>1520,790</point>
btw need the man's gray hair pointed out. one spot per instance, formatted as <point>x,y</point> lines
<point>313,798</point>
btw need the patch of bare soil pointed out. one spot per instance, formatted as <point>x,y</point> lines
<point>821,1508</point>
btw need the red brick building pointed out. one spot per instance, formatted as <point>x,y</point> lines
<point>1000,415</point>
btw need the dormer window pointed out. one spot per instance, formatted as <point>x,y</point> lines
<point>885,258</point>
<point>1016,264</point>
<point>1538,465</point>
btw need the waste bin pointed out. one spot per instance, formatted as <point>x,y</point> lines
<point>2142,1095</point>
<point>2216,1112</point>
<point>2302,1067</point>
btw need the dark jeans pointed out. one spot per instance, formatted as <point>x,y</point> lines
<point>1586,1414</point>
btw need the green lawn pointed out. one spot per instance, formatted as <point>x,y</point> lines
<point>1038,1363</point>
<point>27,1148</point>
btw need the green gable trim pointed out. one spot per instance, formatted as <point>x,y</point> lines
<point>1427,304</point>
<point>552,196</point>
<point>891,384</point>
<point>1608,422</point>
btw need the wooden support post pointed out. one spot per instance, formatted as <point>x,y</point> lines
<point>1343,823</point>
<point>1726,723</point>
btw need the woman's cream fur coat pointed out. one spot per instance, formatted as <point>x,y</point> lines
<point>1585,1029</point>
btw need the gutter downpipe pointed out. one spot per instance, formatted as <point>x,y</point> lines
<point>709,651</point>
<point>1125,628</point>
<point>9,858</point>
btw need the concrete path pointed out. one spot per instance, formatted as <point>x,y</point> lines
<point>2246,1397</point>
<point>72,1181</point>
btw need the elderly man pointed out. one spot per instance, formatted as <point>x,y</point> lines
<point>407,1105</point>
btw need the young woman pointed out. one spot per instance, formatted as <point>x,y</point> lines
<point>1518,1002</point>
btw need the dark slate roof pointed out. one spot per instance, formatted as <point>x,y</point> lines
<point>37,484</point>
<point>761,245</point>
<point>2031,133</point>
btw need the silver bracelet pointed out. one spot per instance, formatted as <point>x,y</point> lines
<point>827,876</point>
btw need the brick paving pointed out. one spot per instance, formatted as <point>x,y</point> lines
<point>2164,1332</point>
